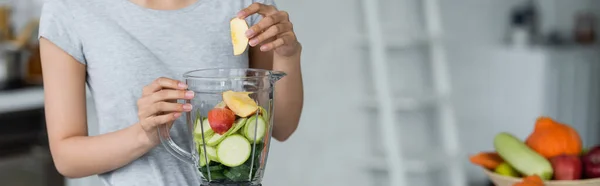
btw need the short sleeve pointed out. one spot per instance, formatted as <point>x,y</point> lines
<point>256,17</point>
<point>58,26</point>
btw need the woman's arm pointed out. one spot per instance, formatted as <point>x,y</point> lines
<point>289,92</point>
<point>275,46</point>
<point>74,152</point>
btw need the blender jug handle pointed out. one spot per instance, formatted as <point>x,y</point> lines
<point>172,147</point>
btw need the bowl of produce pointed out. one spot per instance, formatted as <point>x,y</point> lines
<point>552,155</point>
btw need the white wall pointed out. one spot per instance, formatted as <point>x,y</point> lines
<point>329,51</point>
<point>476,22</point>
<point>496,89</point>
<point>560,15</point>
<point>330,141</point>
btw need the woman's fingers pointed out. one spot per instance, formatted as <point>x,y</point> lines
<point>161,102</point>
<point>167,95</point>
<point>271,32</point>
<point>256,8</point>
<point>163,83</point>
<point>163,95</point>
<point>268,22</point>
<point>282,40</point>
<point>164,107</point>
<point>154,121</point>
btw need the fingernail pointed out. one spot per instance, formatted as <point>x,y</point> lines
<point>249,33</point>
<point>182,85</point>
<point>264,48</point>
<point>177,114</point>
<point>240,14</point>
<point>253,42</point>
<point>189,94</point>
<point>187,107</point>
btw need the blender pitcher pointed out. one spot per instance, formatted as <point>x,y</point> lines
<point>229,126</point>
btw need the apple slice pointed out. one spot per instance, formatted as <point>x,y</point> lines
<point>221,120</point>
<point>238,35</point>
<point>240,103</point>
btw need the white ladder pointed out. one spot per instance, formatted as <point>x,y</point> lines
<point>395,164</point>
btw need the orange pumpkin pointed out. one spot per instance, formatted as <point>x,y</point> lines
<point>551,138</point>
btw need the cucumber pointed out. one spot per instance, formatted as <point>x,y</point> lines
<point>205,129</point>
<point>202,160</point>
<point>257,123</point>
<point>199,141</point>
<point>234,150</point>
<point>521,157</point>
<point>211,152</point>
<point>263,113</point>
<point>239,123</point>
<point>215,139</point>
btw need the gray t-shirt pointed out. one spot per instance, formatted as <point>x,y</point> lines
<point>125,47</point>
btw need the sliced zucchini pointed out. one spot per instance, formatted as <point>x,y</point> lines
<point>253,123</point>
<point>239,123</point>
<point>210,151</point>
<point>234,150</point>
<point>264,113</point>
<point>202,160</point>
<point>215,139</point>
<point>203,128</point>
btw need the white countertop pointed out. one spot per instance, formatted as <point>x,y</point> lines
<point>23,99</point>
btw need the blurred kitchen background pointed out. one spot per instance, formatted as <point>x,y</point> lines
<point>416,83</point>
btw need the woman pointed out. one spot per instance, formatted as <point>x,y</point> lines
<point>131,53</point>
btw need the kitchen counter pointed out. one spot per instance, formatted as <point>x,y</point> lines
<point>23,99</point>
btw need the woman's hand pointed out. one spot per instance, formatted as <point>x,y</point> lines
<point>158,105</point>
<point>273,32</point>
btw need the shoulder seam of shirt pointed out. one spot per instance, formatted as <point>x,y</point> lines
<point>67,7</point>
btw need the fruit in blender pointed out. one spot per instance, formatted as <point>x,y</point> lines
<point>238,35</point>
<point>234,132</point>
<point>591,162</point>
<point>240,103</point>
<point>221,120</point>
<point>234,150</point>
<point>566,167</point>
<point>255,129</point>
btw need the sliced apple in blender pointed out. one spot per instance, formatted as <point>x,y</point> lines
<point>221,120</point>
<point>240,103</point>
<point>238,35</point>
